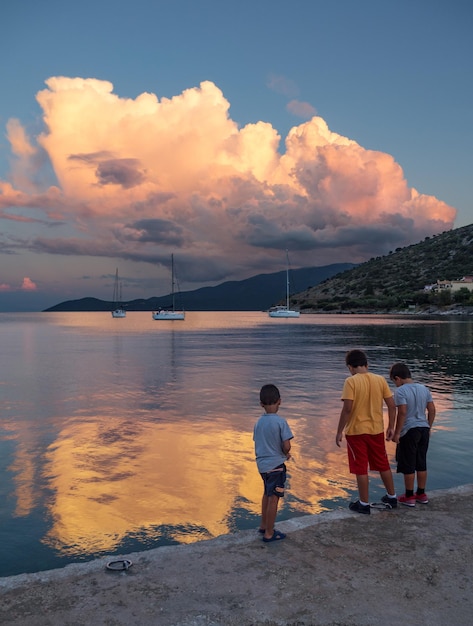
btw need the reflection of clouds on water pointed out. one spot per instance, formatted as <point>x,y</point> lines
<point>107,486</point>
<point>24,470</point>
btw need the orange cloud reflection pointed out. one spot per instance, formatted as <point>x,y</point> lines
<point>120,482</point>
<point>126,479</point>
<point>24,470</point>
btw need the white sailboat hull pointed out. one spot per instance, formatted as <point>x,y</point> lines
<point>283,312</point>
<point>119,313</point>
<point>169,315</point>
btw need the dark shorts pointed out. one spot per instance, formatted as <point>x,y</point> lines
<point>367,449</point>
<point>411,451</point>
<point>274,481</point>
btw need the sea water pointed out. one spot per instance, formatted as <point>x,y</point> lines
<point>120,435</point>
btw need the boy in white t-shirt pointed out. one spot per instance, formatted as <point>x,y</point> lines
<point>272,437</point>
<point>415,416</point>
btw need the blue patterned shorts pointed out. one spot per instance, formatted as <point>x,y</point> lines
<point>274,481</point>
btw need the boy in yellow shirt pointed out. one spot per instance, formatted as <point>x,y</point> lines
<point>362,420</point>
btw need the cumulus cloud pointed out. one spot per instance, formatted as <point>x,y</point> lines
<point>140,178</point>
<point>28,284</point>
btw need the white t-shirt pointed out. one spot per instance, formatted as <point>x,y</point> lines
<point>416,397</point>
<point>268,434</point>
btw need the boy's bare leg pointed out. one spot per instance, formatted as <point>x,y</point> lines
<point>269,509</point>
<point>421,480</point>
<point>388,482</point>
<point>409,482</point>
<point>362,481</point>
<point>264,509</point>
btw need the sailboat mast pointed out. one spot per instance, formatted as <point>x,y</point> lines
<point>172,280</point>
<point>287,280</point>
<point>115,289</point>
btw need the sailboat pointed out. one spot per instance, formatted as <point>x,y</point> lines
<point>118,310</point>
<point>170,314</point>
<point>284,310</point>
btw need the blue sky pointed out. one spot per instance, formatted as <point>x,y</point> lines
<point>224,133</point>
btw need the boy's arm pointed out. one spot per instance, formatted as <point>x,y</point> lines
<point>401,418</point>
<point>431,411</point>
<point>342,422</point>
<point>391,417</point>
<point>286,447</point>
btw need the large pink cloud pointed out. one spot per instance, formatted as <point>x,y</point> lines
<point>138,178</point>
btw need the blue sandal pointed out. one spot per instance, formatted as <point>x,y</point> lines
<point>277,536</point>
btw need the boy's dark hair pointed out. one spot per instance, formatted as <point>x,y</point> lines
<point>356,358</point>
<point>269,394</point>
<point>399,370</point>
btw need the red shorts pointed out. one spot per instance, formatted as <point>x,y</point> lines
<point>364,449</point>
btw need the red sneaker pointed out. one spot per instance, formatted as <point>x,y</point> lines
<point>407,501</point>
<point>423,499</point>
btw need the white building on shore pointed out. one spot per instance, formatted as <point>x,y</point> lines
<point>453,285</point>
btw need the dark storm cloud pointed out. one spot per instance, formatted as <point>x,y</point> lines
<point>153,231</point>
<point>124,172</point>
<point>113,171</point>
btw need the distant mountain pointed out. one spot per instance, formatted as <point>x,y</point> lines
<point>398,280</point>
<point>253,294</point>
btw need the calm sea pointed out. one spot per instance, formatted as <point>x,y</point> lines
<point>120,435</point>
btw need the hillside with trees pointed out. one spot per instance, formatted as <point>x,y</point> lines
<point>397,281</point>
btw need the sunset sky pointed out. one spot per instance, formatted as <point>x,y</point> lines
<point>225,133</point>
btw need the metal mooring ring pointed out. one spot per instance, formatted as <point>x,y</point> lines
<point>120,565</point>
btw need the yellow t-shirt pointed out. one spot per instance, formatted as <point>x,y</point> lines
<point>367,391</point>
